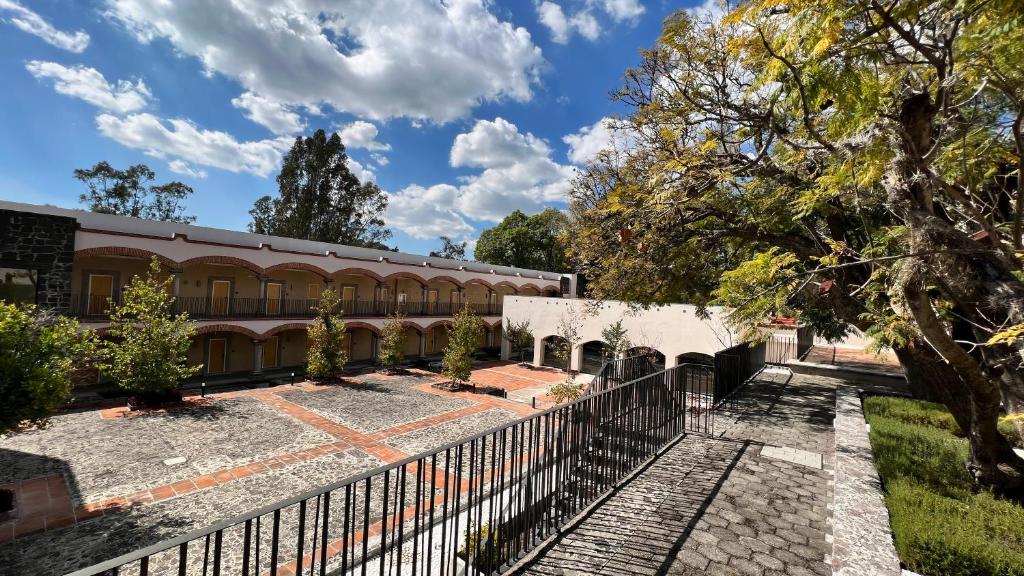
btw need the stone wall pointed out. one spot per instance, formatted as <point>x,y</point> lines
<point>44,243</point>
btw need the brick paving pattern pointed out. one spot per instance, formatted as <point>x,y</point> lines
<point>94,484</point>
<point>715,505</point>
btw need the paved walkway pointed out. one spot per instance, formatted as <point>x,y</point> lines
<point>718,505</point>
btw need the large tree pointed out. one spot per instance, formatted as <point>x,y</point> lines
<point>129,193</point>
<point>525,242</point>
<point>851,162</point>
<point>450,249</point>
<point>320,199</point>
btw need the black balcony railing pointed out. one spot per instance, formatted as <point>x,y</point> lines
<point>484,501</point>
<point>97,307</point>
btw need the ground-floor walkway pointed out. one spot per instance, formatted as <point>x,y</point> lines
<point>752,499</point>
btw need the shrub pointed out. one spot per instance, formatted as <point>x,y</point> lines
<point>565,391</point>
<point>928,456</point>
<point>463,337</point>
<point>475,547</point>
<point>39,352</point>
<point>1009,429</point>
<point>326,356</point>
<point>392,341</point>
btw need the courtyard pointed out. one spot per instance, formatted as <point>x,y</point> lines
<point>96,483</point>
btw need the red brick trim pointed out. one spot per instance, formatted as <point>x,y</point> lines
<point>481,282</point>
<point>506,283</point>
<point>530,285</point>
<point>409,275</point>
<point>284,328</point>
<point>217,259</point>
<point>125,251</point>
<point>446,279</point>
<point>298,266</point>
<point>413,325</point>
<point>436,324</point>
<point>213,328</point>
<point>351,325</point>
<point>358,271</point>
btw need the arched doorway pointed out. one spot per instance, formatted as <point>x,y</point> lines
<point>555,352</point>
<point>656,358</point>
<point>695,358</point>
<point>593,357</point>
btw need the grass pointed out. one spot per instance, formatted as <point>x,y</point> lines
<point>931,415</point>
<point>942,527</point>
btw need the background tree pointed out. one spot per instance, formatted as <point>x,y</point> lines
<point>392,342</point>
<point>128,193</point>
<point>449,249</point>
<point>852,163</point>
<point>525,242</point>
<point>569,327</point>
<point>320,199</point>
<point>519,336</point>
<point>326,356</point>
<point>147,352</point>
<point>463,338</point>
<point>40,352</point>
<point>616,341</point>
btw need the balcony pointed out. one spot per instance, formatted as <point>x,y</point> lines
<point>96,308</point>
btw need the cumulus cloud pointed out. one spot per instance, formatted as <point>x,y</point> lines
<point>426,212</point>
<point>605,134</point>
<point>179,166</point>
<point>431,61</point>
<point>516,172</point>
<point>28,21</point>
<point>179,139</point>
<point>277,117</point>
<point>361,134</point>
<point>380,159</point>
<point>89,84</point>
<point>364,173</point>
<point>583,20</point>
<point>713,9</point>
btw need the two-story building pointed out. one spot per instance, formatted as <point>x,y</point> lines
<point>251,295</point>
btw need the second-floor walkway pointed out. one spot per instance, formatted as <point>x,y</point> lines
<point>752,499</point>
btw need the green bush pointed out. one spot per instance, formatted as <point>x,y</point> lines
<point>1009,429</point>
<point>941,527</point>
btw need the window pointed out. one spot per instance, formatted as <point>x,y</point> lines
<point>313,290</point>
<point>18,285</point>
<point>402,297</point>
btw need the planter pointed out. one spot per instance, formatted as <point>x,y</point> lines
<point>152,400</point>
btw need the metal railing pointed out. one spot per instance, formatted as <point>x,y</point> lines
<point>734,366</point>
<point>201,307</point>
<point>484,501</point>
<point>780,349</point>
<point>615,372</point>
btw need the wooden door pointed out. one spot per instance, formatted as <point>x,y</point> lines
<point>453,302</point>
<point>313,291</point>
<point>101,289</point>
<point>216,363</point>
<point>270,347</point>
<point>348,299</point>
<point>220,296</point>
<point>275,292</point>
<point>432,297</point>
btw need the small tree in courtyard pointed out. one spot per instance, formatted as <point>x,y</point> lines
<point>149,343</point>
<point>518,335</point>
<point>569,328</point>
<point>616,340</point>
<point>463,337</point>
<point>39,355</point>
<point>327,355</point>
<point>392,342</point>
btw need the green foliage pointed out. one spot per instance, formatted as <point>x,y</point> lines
<point>392,341</point>
<point>616,340</point>
<point>39,354</point>
<point>565,391</point>
<point>128,193</point>
<point>525,241</point>
<point>463,338</point>
<point>475,547</point>
<point>320,199</point>
<point>449,249</point>
<point>326,356</point>
<point>518,335</point>
<point>940,524</point>
<point>147,352</point>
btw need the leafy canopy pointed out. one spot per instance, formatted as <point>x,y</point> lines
<point>129,193</point>
<point>392,341</point>
<point>450,249</point>
<point>463,338</point>
<point>327,353</point>
<point>523,241</point>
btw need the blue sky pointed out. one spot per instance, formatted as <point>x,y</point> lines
<point>462,111</point>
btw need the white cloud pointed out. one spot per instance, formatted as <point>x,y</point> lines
<point>28,21</point>
<point>380,159</point>
<point>517,173</point>
<point>605,134</point>
<point>274,115</point>
<point>714,9</point>
<point>422,60</point>
<point>179,139</point>
<point>90,85</point>
<point>361,134</point>
<point>583,21</point>
<point>364,173</point>
<point>426,212</point>
<point>620,10</point>
<point>181,167</point>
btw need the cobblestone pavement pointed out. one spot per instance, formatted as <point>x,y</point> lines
<point>715,505</point>
<point>95,484</point>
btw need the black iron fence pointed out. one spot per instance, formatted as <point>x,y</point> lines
<point>97,307</point>
<point>781,348</point>
<point>482,502</point>
<point>736,365</point>
<point>615,372</point>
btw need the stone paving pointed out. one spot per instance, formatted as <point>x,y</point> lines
<point>94,484</point>
<point>715,505</point>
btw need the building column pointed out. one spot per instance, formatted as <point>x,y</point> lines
<point>506,348</point>
<point>576,358</point>
<point>538,351</point>
<point>423,344</point>
<point>257,356</point>
<point>176,286</point>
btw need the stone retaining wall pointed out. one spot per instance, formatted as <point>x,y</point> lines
<point>44,243</point>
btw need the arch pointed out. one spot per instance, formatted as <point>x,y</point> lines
<point>352,325</point>
<point>408,275</point>
<point>551,291</point>
<point>445,279</point>
<point>363,271</point>
<point>695,358</point>
<point>530,285</point>
<point>492,325</point>
<point>593,356</point>
<point>656,357</point>
<point>481,282</point>
<point>506,283</point>
<point>213,328</point>
<point>124,251</point>
<point>436,324</point>
<point>551,355</point>
<point>413,325</point>
<point>230,260</point>
<point>299,266</point>
<point>284,328</point>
